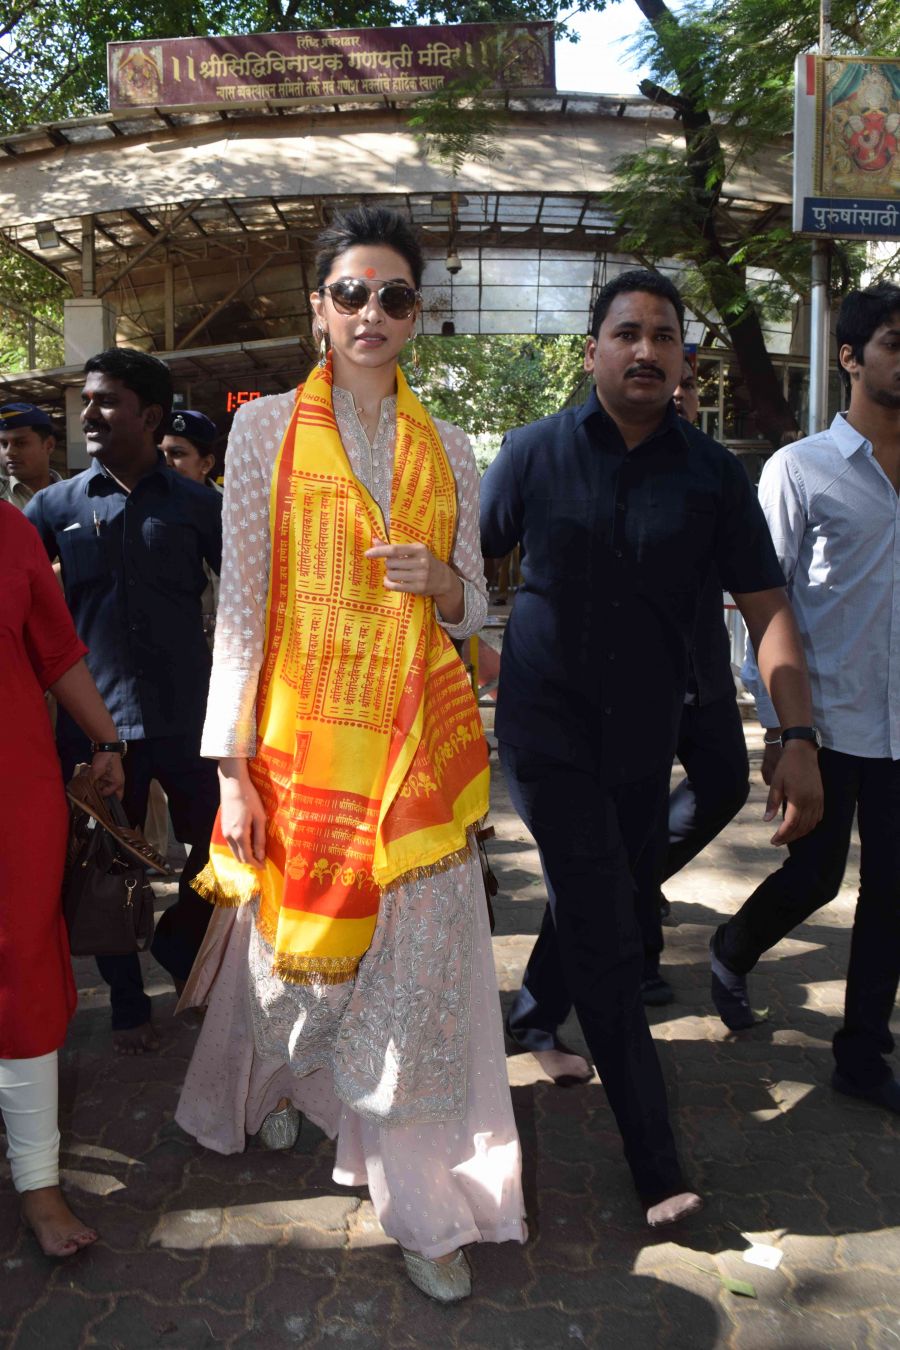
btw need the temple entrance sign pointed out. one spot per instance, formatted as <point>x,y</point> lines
<point>344,64</point>
<point>189,232</point>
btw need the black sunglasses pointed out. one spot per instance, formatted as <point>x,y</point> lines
<point>351,294</point>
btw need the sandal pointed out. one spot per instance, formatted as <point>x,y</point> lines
<point>280,1128</point>
<point>444,1281</point>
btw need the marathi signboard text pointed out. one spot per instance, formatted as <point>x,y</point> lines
<point>339,64</point>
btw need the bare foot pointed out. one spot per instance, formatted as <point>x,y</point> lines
<point>677,1207</point>
<point>58,1231</point>
<point>564,1067</point>
<point>136,1040</point>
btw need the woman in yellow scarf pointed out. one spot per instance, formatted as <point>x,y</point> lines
<point>347,971</point>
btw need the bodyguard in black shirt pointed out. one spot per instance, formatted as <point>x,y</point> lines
<point>620,509</point>
<point>132,536</point>
<point>711,750</point>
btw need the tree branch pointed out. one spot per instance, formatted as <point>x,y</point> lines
<point>705,167</point>
<point>67,74</point>
<point>711,325</point>
<point>654,11</point>
<point>15,19</point>
<point>655,92</point>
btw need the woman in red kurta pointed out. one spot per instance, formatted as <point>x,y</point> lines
<point>39,650</point>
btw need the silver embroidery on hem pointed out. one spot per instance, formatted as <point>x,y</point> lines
<point>295,1023</point>
<point>396,1039</point>
<point>401,1056</point>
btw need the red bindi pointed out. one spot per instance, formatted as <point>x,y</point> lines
<point>369,272</point>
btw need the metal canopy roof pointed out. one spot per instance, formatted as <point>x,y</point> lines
<point>144,121</point>
<point>272,364</point>
<point>198,225</point>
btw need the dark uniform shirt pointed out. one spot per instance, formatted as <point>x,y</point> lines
<point>132,569</point>
<point>616,546</point>
<point>709,663</point>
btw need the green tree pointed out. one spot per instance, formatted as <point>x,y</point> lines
<point>490,383</point>
<point>725,67</point>
<point>29,293</point>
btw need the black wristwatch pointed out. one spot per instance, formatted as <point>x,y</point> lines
<point>109,748</point>
<point>802,734</point>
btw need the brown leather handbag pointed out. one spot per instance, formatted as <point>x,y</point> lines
<point>491,885</point>
<point>107,903</point>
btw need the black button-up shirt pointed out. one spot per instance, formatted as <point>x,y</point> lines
<point>132,569</point>
<point>709,668</point>
<point>616,546</point>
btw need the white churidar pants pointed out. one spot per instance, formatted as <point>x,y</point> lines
<point>29,1090</point>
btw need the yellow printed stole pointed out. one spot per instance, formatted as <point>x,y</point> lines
<point>371,759</point>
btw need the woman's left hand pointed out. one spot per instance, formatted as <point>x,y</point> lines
<point>414,568</point>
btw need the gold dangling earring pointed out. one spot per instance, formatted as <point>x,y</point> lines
<point>323,348</point>
<point>416,363</point>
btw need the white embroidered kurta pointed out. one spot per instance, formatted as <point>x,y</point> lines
<point>406,1063</point>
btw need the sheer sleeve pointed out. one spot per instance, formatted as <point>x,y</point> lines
<point>230,727</point>
<point>466,558</point>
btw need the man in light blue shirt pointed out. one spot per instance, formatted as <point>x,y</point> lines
<point>833,507</point>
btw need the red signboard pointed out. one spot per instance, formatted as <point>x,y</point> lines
<point>334,64</point>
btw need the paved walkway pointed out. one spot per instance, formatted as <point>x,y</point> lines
<point>266,1251</point>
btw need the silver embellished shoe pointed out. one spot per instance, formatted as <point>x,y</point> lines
<point>280,1128</point>
<point>447,1281</point>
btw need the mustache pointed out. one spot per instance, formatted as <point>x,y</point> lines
<point>644,370</point>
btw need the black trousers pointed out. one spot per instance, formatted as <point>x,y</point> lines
<point>589,952</point>
<point>811,876</point>
<point>191,784</point>
<point>713,754</point>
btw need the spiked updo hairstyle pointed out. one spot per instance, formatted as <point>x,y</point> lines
<point>369,225</point>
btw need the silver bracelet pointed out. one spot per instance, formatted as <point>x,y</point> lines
<point>766,741</point>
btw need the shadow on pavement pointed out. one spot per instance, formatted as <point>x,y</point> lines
<point>264,1250</point>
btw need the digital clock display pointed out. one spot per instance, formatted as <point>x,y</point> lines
<point>236,397</point>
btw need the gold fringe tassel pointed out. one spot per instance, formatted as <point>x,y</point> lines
<point>310,970</point>
<point>445,864</point>
<point>314,969</point>
<point>208,886</point>
<point>304,969</point>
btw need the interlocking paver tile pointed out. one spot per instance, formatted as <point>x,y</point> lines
<point>264,1250</point>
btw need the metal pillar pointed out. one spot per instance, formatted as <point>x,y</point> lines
<point>88,258</point>
<point>819,337</point>
<point>820,308</point>
<point>169,307</point>
<point>89,326</point>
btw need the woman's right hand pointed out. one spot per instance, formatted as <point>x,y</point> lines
<point>243,815</point>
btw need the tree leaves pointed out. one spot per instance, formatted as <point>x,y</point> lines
<point>742,1287</point>
<point>27,289</point>
<point>726,68</point>
<point>457,123</point>
<point>489,383</point>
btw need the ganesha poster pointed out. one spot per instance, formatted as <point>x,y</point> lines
<point>847,147</point>
<point>859,151</point>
